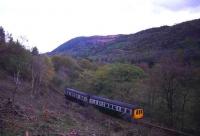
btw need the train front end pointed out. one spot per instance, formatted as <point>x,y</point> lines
<point>137,113</point>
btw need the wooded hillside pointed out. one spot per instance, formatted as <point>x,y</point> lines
<point>158,69</point>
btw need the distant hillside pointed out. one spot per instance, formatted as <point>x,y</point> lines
<point>144,46</point>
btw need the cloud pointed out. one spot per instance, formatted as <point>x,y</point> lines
<point>48,23</point>
<point>176,5</point>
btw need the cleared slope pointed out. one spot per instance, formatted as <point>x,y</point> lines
<point>50,114</point>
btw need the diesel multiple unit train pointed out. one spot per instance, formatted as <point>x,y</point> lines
<point>126,110</point>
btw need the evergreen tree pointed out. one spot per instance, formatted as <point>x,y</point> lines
<point>35,51</point>
<point>2,35</point>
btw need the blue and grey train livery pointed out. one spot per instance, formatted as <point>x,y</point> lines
<point>125,109</point>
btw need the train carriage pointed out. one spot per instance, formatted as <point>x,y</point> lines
<point>126,110</point>
<point>76,95</point>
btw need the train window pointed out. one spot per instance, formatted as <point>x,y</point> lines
<point>110,106</point>
<point>103,104</point>
<point>79,96</point>
<point>114,107</point>
<point>137,112</point>
<point>92,101</point>
<point>122,109</point>
<point>85,98</point>
<point>118,108</point>
<point>96,102</point>
<point>106,105</point>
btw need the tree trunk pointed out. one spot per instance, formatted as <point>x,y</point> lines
<point>16,80</point>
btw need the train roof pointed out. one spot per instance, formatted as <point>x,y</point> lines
<point>76,91</point>
<point>123,104</point>
<point>115,102</point>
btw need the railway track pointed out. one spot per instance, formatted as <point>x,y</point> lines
<point>168,130</point>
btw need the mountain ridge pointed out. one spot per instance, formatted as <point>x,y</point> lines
<point>142,46</point>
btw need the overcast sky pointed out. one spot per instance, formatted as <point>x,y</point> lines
<point>48,23</point>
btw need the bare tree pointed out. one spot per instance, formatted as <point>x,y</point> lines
<point>41,72</point>
<point>169,81</point>
<point>2,35</point>
<point>17,83</point>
